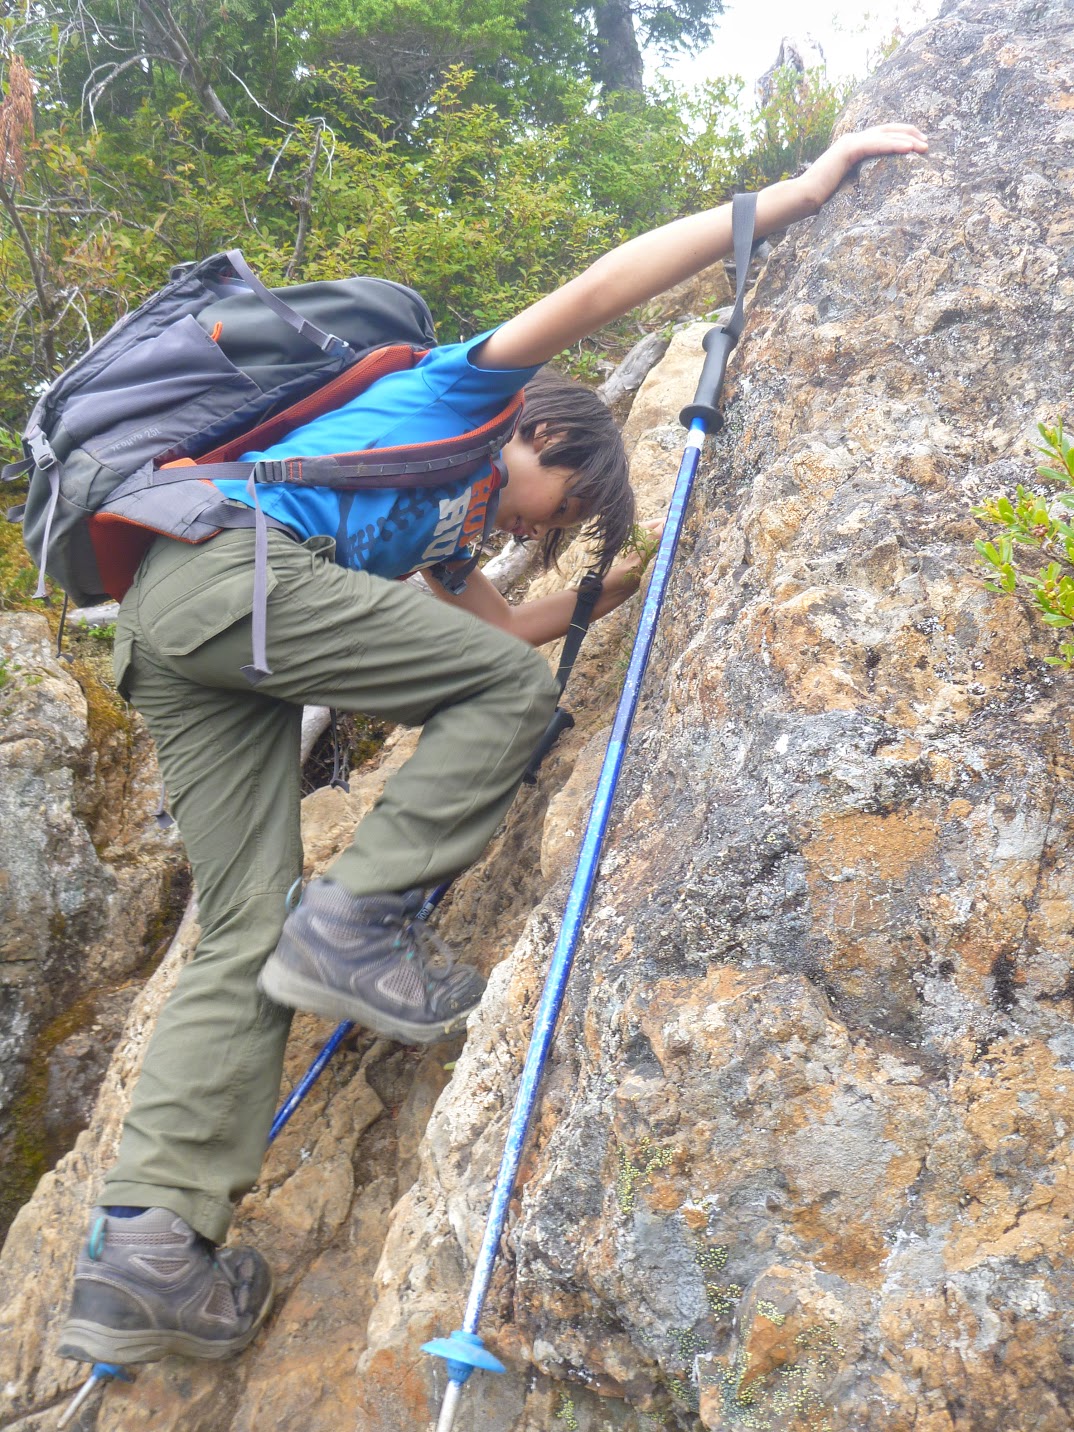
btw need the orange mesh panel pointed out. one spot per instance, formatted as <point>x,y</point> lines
<point>119,546</point>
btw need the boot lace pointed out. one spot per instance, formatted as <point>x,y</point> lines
<point>434,957</point>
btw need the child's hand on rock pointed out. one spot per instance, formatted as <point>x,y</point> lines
<point>825,174</point>
<point>624,577</point>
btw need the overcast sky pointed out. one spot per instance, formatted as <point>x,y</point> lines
<point>749,32</point>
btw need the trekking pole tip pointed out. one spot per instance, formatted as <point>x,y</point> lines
<point>100,1372</point>
<point>449,1406</point>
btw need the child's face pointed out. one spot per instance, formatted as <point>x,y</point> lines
<point>536,499</point>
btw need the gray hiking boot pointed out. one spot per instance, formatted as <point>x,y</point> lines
<point>149,1286</point>
<point>365,958</point>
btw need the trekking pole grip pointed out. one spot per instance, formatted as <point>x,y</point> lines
<point>717,344</point>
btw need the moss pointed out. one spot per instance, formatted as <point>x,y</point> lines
<point>566,1413</point>
<point>722,1297</point>
<point>18,575</point>
<point>790,1392</point>
<point>27,1151</point>
<point>161,926</point>
<point>107,714</point>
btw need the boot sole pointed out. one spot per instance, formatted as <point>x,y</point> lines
<point>95,1342</point>
<point>294,991</point>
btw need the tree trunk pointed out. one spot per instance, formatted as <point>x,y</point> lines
<point>620,64</point>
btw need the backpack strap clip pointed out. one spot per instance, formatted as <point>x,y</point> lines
<point>272,470</point>
<point>40,450</point>
<point>326,342</point>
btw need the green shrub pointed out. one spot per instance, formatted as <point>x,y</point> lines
<point>1034,553</point>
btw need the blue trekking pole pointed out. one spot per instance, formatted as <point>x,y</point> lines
<point>464,1350</point>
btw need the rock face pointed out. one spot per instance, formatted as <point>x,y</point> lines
<point>803,1158</point>
<point>84,872</point>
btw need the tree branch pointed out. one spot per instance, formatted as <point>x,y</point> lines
<point>115,69</point>
<point>37,273</point>
<point>159,15</point>
<point>304,203</point>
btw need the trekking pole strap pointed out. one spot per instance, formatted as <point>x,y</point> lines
<point>561,721</point>
<point>720,341</point>
<point>589,590</point>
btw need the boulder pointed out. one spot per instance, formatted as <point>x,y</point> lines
<point>803,1158</point>
<point>86,876</point>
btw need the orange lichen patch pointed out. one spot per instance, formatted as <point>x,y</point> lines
<point>1014,1164</point>
<point>886,848</point>
<point>664,1195</point>
<point>695,1218</point>
<point>1052,920</point>
<point>838,1244</point>
<point>797,640</point>
<point>394,1387</point>
<point>959,810</point>
<point>1002,1361</point>
<point>906,750</point>
<point>810,1108</point>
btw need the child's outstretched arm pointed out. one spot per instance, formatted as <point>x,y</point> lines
<point>643,267</point>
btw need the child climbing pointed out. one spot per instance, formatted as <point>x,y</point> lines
<point>150,1280</point>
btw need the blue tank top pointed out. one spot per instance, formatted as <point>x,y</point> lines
<point>390,532</point>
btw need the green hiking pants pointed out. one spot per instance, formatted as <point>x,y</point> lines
<point>195,1135</point>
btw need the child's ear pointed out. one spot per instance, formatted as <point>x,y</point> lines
<point>541,437</point>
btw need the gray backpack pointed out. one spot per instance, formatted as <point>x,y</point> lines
<point>213,365</point>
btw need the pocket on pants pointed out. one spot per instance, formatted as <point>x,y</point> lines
<point>122,656</point>
<point>197,598</point>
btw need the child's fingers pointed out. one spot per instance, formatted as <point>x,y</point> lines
<point>888,139</point>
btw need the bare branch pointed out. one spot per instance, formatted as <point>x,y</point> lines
<point>160,16</point>
<point>304,203</point>
<point>115,68</point>
<point>37,272</point>
<point>75,301</point>
<point>61,211</point>
<point>279,155</point>
<point>255,100</point>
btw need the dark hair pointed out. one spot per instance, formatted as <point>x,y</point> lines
<point>584,439</point>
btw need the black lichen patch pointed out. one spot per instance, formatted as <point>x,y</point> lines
<point>1004,981</point>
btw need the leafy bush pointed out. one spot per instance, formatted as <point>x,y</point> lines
<point>1039,522</point>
